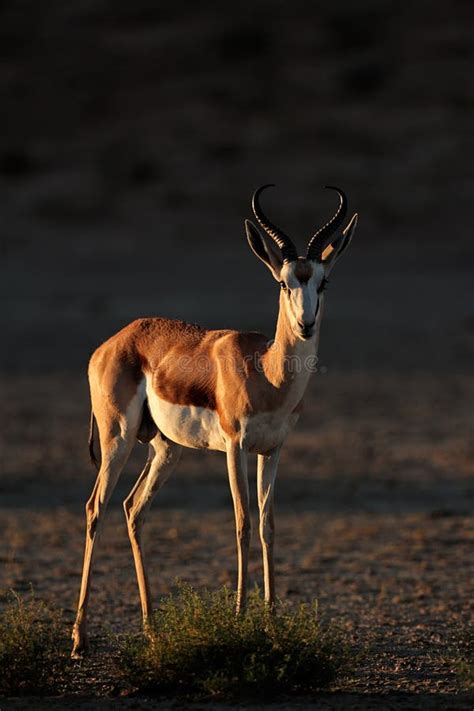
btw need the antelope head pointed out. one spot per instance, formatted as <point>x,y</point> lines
<point>302,279</point>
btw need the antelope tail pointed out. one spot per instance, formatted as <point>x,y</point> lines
<point>92,429</point>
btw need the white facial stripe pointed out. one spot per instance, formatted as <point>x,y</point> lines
<point>304,296</point>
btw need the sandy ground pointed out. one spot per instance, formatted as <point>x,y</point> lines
<point>374,507</point>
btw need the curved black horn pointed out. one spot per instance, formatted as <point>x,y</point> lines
<point>288,249</point>
<point>319,240</point>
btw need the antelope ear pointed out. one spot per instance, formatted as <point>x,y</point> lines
<point>265,249</point>
<point>334,250</point>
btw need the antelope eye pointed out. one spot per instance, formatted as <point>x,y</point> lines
<point>283,285</point>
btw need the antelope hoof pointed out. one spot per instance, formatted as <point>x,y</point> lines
<point>80,642</point>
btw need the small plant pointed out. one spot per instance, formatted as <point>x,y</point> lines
<point>197,646</point>
<point>31,640</point>
<point>464,658</point>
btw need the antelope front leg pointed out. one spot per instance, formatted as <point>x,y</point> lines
<point>267,467</point>
<point>239,486</point>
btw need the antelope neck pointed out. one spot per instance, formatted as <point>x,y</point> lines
<point>285,360</point>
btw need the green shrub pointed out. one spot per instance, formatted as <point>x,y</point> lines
<point>464,658</point>
<point>31,640</point>
<point>197,646</point>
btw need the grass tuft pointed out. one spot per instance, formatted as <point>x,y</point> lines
<point>197,646</point>
<point>31,640</point>
<point>464,658</point>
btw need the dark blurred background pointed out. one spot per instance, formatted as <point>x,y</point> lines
<point>132,135</point>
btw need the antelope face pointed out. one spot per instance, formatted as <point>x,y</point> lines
<point>302,283</point>
<point>302,279</point>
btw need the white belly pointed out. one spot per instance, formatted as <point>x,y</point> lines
<point>199,427</point>
<point>191,426</point>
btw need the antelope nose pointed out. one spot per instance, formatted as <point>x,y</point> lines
<point>306,326</point>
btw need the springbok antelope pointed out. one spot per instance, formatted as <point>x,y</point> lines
<point>173,384</point>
